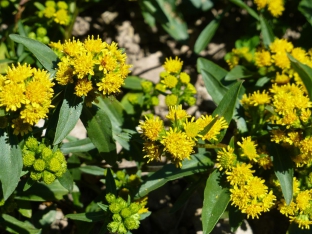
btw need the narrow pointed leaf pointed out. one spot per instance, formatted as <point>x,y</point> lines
<point>19,226</point>
<point>246,7</point>
<point>204,64</point>
<point>284,170</point>
<point>11,163</point>
<point>88,217</point>
<point>216,199</point>
<point>110,182</point>
<point>67,181</point>
<point>214,87</point>
<point>206,35</point>
<point>133,83</point>
<point>92,170</point>
<point>99,129</point>
<point>43,53</point>
<point>266,31</point>
<point>69,115</point>
<point>83,145</point>
<point>198,163</point>
<point>238,72</point>
<point>305,73</point>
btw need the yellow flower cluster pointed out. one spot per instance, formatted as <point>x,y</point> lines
<point>178,142</point>
<point>176,84</point>
<point>275,7</point>
<point>300,208</point>
<point>43,163</point>
<point>248,192</point>
<point>93,66</point>
<point>25,95</point>
<point>56,11</point>
<point>276,59</point>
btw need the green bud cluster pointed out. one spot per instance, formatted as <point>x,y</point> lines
<point>55,12</point>
<point>42,162</point>
<point>125,216</point>
<point>40,35</point>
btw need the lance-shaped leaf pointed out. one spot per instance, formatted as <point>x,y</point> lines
<point>305,73</point>
<point>83,145</point>
<point>198,163</point>
<point>305,7</point>
<point>69,115</point>
<point>214,86</point>
<point>204,64</point>
<point>43,53</point>
<point>266,31</point>
<point>88,217</point>
<point>11,163</point>
<point>216,199</point>
<point>92,170</point>
<point>133,83</point>
<point>67,181</point>
<point>99,129</point>
<point>243,5</point>
<point>239,72</point>
<point>110,182</point>
<point>20,227</point>
<point>283,169</point>
<point>206,35</point>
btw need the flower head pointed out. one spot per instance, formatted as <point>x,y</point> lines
<point>173,65</point>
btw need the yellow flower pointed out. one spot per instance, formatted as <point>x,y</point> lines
<point>173,65</point>
<point>276,7</point>
<point>107,63</point>
<point>300,54</point>
<point>281,78</point>
<point>151,128</point>
<point>263,59</point>
<point>249,148</point>
<point>160,87</point>
<point>190,89</point>
<point>258,98</point>
<point>73,48</point>
<point>185,78</point>
<point>260,3</point>
<point>303,200</point>
<point>19,74</point>
<point>287,210</point>
<point>281,60</point>
<point>239,174</point>
<point>49,12</point>
<point>192,129</point>
<point>62,17</point>
<point>305,115</point>
<point>281,45</point>
<point>20,128</point>
<point>176,113</point>
<point>111,83</point>
<point>171,100</point>
<point>170,81</point>
<point>83,65</point>
<point>83,87</point>
<point>226,159</point>
<point>32,114</point>
<point>302,220</point>
<point>94,45</point>
<point>152,151</point>
<point>64,74</point>
<point>12,96</point>
<point>265,161</point>
<point>215,129</point>
<point>178,145</point>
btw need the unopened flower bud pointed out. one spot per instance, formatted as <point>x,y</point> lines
<point>28,158</point>
<point>35,175</point>
<point>39,165</point>
<point>48,177</point>
<point>110,198</point>
<point>125,212</point>
<point>32,144</point>
<point>46,154</point>
<point>113,226</point>
<point>115,208</point>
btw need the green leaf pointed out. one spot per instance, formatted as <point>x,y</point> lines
<point>28,184</point>
<point>11,163</point>
<point>247,8</point>
<point>92,170</point>
<point>266,31</point>
<point>238,72</point>
<point>175,26</point>
<point>43,192</point>
<point>145,215</point>
<point>110,182</point>
<point>283,168</point>
<point>43,53</point>
<point>214,87</point>
<point>198,163</point>
<point>133,83</point>
<point>88,217</point>
<point>305,7</point>
<point>19,226</point>
<point>186,194</point>
<point>69,115</point>
<point>227,105</point>
<point>24,208</point>
<point>102,206</point>
<point>67,181</point>
<point>204,64</point>
<point>216,199</point>
<point>236,218</point>
<point>83,145</point>
<point>99,129</point>
<point>206,35</point>
<point>305,73</point>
